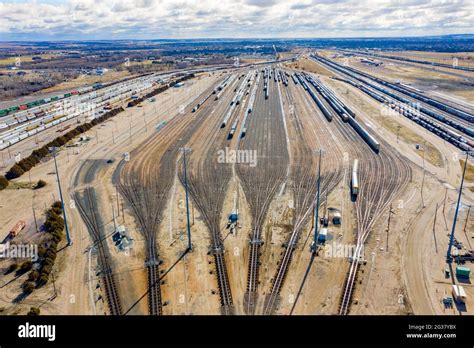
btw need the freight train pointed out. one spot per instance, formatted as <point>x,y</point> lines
<point>375,92</point>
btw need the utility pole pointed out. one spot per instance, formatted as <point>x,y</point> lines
<point>315,242</point>
<point>444,206</point>
<point>33,207</point>
<point>467,218</point>
<point>144,119</point>
<point>68,237</point>
<point>449,258</point>
<point>34,217</point>
<point>185,150</point>
<point>118,206</point>
<point>54,286</point>
<point>445,195</point>
<point>113,218</point>
<point>423,179</point>
<point>388,223</point>
<point>434,228</point>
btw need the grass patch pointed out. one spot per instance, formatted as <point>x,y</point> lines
<point>469,172</point>
<point>19,185</point>
<point>12,60</point>
<point>310,66</point>
<point>85,80</point>
<point>432,154</point>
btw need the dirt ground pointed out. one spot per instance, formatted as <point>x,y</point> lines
<point>75,294</point>
<point>404,268</point>
<point>409,277</point>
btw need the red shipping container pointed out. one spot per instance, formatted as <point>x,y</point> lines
<point>17,228</point>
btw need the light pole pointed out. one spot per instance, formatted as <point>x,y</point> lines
<point>68,237</point>
<point>423,179</point>
<point>449,258</point>
<point>187,150</point>
<point>315,242</point>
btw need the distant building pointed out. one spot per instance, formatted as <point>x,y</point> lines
<point>100,71</point>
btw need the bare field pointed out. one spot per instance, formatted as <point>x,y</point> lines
<point>87,80</point>
<point>19,59</point>
<point>464,58</point>
<point>308,66</point>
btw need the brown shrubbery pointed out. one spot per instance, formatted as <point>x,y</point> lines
<point>36,156</point>
<point>3,182</point>
<point>54,225</point>
<point>40,184</point>
<point>47,252</point>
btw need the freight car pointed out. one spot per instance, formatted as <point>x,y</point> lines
<point>17,228</point>
<point>369,139</point>
<point>355,179</point>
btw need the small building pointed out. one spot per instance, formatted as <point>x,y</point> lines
<point>459,294</point>
<point>336,218</point>
<point>322,236</point>
<point>233,217</point>
<point>122,238</point>
<point>463,272</point>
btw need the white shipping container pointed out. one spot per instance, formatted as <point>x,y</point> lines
<point>458,293</point>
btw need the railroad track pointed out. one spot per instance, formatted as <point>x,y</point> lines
<point>304,168</point>
<point>376,192</point>
<point>266,135</point>
<point>381,178</point>
<point>454,128</point>
<point>87,206</point>
<point>208,182</point>
<point>145,183</point>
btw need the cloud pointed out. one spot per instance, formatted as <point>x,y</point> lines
<point>104,19</point>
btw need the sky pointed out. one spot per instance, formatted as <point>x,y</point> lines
<point>175,19</point>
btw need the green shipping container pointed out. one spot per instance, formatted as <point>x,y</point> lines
<point>3,112</point>
<point>463,272</point>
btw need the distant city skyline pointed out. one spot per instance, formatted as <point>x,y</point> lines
<point>165,19</point>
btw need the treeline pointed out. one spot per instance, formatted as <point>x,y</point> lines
<point>47,252</point>
<point>18,169</point>
<point>13,85</point>
<point>149,95</point>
